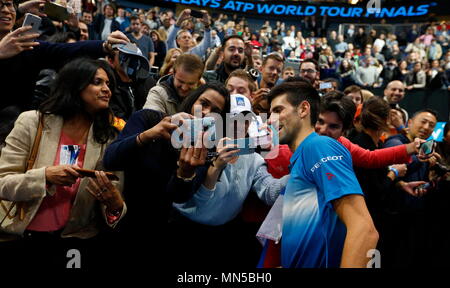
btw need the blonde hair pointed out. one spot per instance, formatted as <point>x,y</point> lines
<point>366,94</point>
<point>168,63</point>
<point>162,32</point>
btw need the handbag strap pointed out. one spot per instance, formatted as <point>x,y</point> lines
<point>36,143</point>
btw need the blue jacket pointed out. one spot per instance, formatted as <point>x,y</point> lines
<point>222,204</point>
<point>417,171</point>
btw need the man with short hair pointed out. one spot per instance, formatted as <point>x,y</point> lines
<point>142,41</point>
<point>354,91</point>
<point>309,69</point>
<point>239,82</point>
<point>233,58</point>
<point>105,23</point>
<point>172,89</point>
<point>183,38</point>
<point>394,94</point>
<point>270,70</point>
<point>132,86</point>
<point>366,75</point>
<point>87,18</point>
<point>407,218</point>
<point>84,31</point>
<point>325,219</point>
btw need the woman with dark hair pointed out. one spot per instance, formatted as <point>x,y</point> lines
<point>144,151</point>
<point>376,182</point>
<point>74,126</point>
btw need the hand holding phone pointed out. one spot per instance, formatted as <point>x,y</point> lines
<point>427,148</point>
<point>91,173</point>
<point>33,21</point>
<point>196,14</point>
<point>56,12</point>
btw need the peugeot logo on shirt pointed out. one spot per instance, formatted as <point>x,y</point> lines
<point>324,160</point>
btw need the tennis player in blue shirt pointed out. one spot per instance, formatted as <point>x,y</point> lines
<point>325,219</point>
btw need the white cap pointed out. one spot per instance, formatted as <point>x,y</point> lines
<point>239,103</point>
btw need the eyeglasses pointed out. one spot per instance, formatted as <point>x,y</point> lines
<point>308,71</point>
<point>9,5</point>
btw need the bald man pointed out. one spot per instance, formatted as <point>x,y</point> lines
<point>394,93</point>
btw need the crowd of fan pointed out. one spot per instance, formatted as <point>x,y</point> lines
<point>204,208</point>
<point>419,58</point>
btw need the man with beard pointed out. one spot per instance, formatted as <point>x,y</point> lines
<point>309,69</point>
<point>325,219</point>
<point>394,93</point>
<point>144,42</point>
<point>233,58</point>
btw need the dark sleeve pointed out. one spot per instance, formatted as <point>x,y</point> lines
<point>123,152</point>
<point>115,26</point>
<point>151,47</point>
<point>96,23</point>
<point>55,55</point>
<point>181,191</point>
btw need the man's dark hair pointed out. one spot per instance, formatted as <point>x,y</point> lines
<point>342,105</point>
<point>297,79</point>
<point>310,60</point>
<point>234,36</point>
<point>298,92</point>
<point>428,110</point>
<point>134,17</point>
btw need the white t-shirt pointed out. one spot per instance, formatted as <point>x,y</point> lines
<point>106,29</point>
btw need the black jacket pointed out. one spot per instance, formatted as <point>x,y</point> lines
<point>99,24</point>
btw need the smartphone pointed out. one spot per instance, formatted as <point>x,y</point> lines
<point>198,125</point>
<point>55,11</point>
<point>91,173</point>
<point>196,13</point>
<point>245,145</point>
<point>423,186</point>
<point>427,148</point>
<point>33,21</point>
<point>325,85</point>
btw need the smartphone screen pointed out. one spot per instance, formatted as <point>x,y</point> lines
<point>427,148</point>
<point>196,13</point>
<point>325,85</point>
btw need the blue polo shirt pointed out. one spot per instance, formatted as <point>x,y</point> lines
<point>313,235</point>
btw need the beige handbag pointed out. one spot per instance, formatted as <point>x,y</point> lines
<point>14,209</point>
